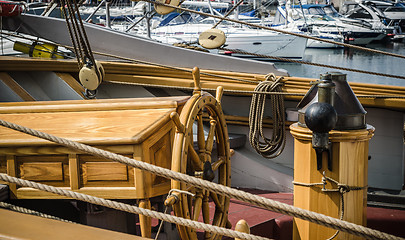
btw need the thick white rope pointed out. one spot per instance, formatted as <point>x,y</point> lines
<point>265,203</point>
<point>129,208</point>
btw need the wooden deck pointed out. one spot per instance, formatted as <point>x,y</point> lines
<point>279,226</point>
<point>18,226</point>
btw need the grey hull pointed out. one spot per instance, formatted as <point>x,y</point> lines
<point>110,41</point>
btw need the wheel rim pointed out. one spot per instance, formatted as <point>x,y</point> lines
<point>189,158</point>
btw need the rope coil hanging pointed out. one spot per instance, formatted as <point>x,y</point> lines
<point>267,147</point>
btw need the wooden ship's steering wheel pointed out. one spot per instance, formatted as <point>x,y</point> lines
<point>208,158</point>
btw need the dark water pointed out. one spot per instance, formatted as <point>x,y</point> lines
<point>356,59</point>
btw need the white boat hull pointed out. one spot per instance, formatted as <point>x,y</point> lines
<point>254,41</point>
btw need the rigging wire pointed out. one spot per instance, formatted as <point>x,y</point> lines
<point>215,75</point>
<point>278,30</point>
<point>77,33</point>
<point>314,64</point>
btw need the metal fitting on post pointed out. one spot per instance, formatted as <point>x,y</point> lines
<point>321,117</point>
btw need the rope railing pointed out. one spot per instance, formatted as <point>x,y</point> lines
<point>129,208</point>
<point>259,201</point>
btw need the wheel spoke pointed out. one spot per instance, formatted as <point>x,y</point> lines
<point>206,208</point>
<point>197,205</point>
<point>218,205</point>
<point>195,159</point>
<point>200,136</point>
<point>210,140</point>
<point>206,213</point>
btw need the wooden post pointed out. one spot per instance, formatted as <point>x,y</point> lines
<point>350,162</point>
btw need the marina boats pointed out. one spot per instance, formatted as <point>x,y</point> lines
<point>185,28</point>
<point>325,19</point>
<point>281,21</point>
<point>389,13</point>
<point>131,115</point>
<point>393,10</point>
<point>245,39</point>
<point>371,14</point>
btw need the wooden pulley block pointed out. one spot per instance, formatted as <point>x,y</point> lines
<point>212,38</point>
<point>163,9</point>
<point>88,76</point>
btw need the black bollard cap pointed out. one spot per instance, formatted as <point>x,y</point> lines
<point>350,113</point>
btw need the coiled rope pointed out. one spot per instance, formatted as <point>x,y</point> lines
<point>267,147</point>
<point>265,203</point>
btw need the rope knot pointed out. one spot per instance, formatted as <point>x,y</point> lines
<point>343,188</point>
<point>273,81</point>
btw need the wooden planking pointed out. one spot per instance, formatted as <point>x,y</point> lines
<point>104,171</point>
<point>160,154</point>
<point>93,105</point>
<point>178,82</point>
<point>106,192</point>
<point>14,86</point>
<point>42,171</point>
<point>92,127</point>
<point>21,226</point>
<point>49,169</point>
<point>57,150</point>
<point>142,73</point>
<point>8,63</point>
<point>96,172</point>
<point>73,83</point>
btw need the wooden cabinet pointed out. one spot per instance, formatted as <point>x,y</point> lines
<point>137,128</point>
